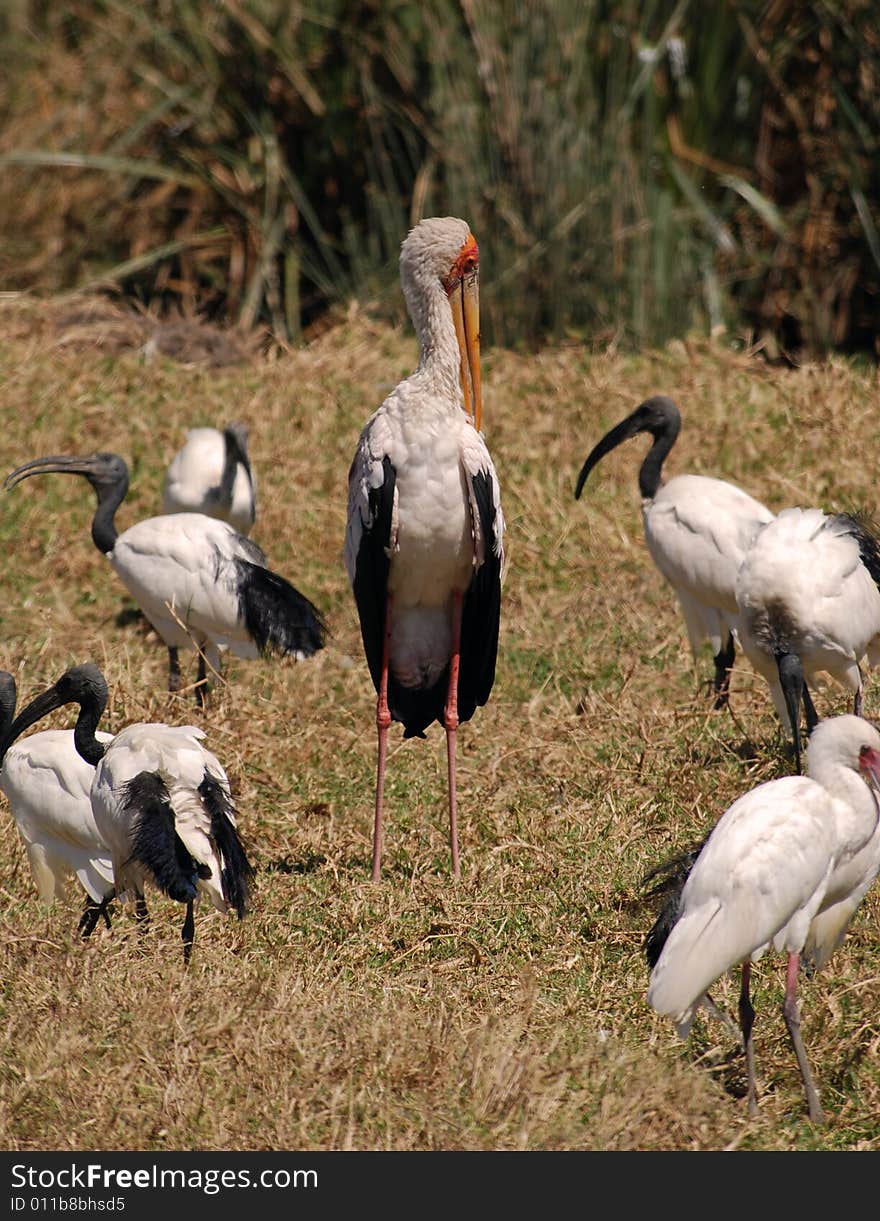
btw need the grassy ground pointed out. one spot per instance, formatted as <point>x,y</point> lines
<point>507,1011</point>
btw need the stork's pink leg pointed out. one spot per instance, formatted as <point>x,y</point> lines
<point>450,722</point>
<point>383,723</point>
<point>793,1022</point>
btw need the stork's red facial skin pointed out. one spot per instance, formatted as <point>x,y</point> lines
<point>467,262</point>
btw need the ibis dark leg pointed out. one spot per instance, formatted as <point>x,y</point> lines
<point>201,682</point>
<point>791,679</point>
<point>188,932</point>
<point>173,670</point>
<point>723,666</point>
<point>793,1023</point>
<point>92,913</point>
<point>450,723</point>
<point>383,723</point>
<point>857,698</point>
<point>747,1021</point>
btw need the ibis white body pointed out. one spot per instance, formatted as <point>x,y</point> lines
<point>185,571</point>
<point>211,474</point>
<point>786,865</point>
<point>48,787</point>
<point>176,754</point>
<point>804,589</point>
<point>698,530</point>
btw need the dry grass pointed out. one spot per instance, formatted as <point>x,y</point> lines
<point>507,1011</point>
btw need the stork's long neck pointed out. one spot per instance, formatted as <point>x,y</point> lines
<point>110,497</point>
<point>439,360</point>
<point>652,467</point>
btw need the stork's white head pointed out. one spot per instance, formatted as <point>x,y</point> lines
<point>430,251</point>
<point>439,263</point>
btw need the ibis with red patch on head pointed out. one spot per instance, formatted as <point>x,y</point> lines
<point>786,865</point>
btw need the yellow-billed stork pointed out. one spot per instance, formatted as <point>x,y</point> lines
<point>808,600</point>
<point>161,801</point>
<point>787,864</point>
<point>697,528</point>
<point>200,583</point>
<point>212,474</point>
<point>423,546</point>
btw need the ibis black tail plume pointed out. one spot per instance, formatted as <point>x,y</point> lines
<point>671,877</point>
<point>237,869</point>
<point>154,840</point>
<point>278,617</point>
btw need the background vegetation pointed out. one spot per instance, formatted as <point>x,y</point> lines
<point>632,170</point>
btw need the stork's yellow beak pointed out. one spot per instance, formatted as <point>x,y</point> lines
<point>463,288</point>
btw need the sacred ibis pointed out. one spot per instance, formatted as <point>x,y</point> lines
<point>423,546</point>
<point>697,529</point>
<point>809,602</point>
<point>161,802</point>
<point>212,474</point>
<point>48,785</point>
<point>787,864</point>
<point>200,583</point>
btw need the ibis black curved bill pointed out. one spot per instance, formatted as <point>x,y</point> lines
<point>657,415</point>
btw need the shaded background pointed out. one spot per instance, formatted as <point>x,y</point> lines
<point>633,171</point>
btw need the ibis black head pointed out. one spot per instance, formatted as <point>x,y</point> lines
<point>103,471</point>
<point>237,440</point>
<point>661,418</point>
<point>83,685</point>
<point>108,475</point>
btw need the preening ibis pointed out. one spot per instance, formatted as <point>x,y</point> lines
<point>423,546</point>
<point>161,802</point>
<point>787,864</point>
<point>697,530</point>
<point>201,584</point>
<point>212,474</point>
<point>48,786</point>
<point>809,603</point>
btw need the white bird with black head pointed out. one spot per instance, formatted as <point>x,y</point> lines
<point>697,528</point>
<point>161,801</point>
<point>48,787</point>
<point>808,596</point>
<point>424,543</point>
<point>212,474</point>
<point>786,865</point>
<point>200,583</point>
